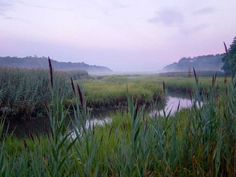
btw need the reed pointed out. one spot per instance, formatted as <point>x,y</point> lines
<point>50,72</point>
<point>24,93</point>
<point>226,49</point>
<point>200,141</point>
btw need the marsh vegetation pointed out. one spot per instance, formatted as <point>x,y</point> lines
<point>198,141</point>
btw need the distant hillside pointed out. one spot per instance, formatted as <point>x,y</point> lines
<point>42,63</point>
<point>200,63</point>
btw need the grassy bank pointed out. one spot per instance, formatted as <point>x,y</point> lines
<point>196,142</point>
<point>25,93</point>
<point>145,86</point>
<point>108,93</point>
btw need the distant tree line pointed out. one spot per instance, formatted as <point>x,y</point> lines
<point>34,62</point>
<point>200,63</point>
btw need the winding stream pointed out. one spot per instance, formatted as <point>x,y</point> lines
<point>23,128</point>
<point>172,105</point>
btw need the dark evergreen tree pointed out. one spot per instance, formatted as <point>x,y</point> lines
<point>230,59</point>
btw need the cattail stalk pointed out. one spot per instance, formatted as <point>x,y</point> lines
<point>195,75</point>
<point>72,85</point>
<point>80,95</point>
<point>50,72</point>
<point>164,87</point>
<point>226,49</point>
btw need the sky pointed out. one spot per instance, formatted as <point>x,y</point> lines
<point>125,35</point>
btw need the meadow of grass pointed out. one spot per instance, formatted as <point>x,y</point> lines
<point>107,93</point>
<point>112,90</point>
<point>24,93</point>
<point>200,141</point>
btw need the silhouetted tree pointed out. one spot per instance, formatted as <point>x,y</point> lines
<point>230,59</point>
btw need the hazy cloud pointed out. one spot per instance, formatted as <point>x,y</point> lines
<point>125,35</point>
<point>194,29</point>
<point>118,5</point>
<point>29,4</point>
<point>204,11</point>
<point>168,17</point>
<point>4,6</point>
<point>15,19</point>
<point>107,7</point>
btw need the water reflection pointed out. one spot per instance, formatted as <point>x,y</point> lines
<point>97,122</point>
<point>90,124</point>
<point>173,104</point>
<point>23,128</point>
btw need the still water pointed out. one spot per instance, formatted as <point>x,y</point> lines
<point>173,104</point>
<point>23,128</point>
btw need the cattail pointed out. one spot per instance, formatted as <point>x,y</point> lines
<point>80,95</point>
<point>178,108</point>
<point>195,75</point>
<point>207,94</point>
<point>72,85</point>
<point>226,49</point>
<point>213,80</point>
<point>50,71</point>
<point>136,111</point>
<point>164,86</point>
<point>190,94</point>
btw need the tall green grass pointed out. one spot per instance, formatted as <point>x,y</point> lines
<point>200,141</point>
<point>24,93</point>
<point>114,93</point>
<point>110,90</point>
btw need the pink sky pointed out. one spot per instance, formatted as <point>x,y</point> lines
<point>125,35</point>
